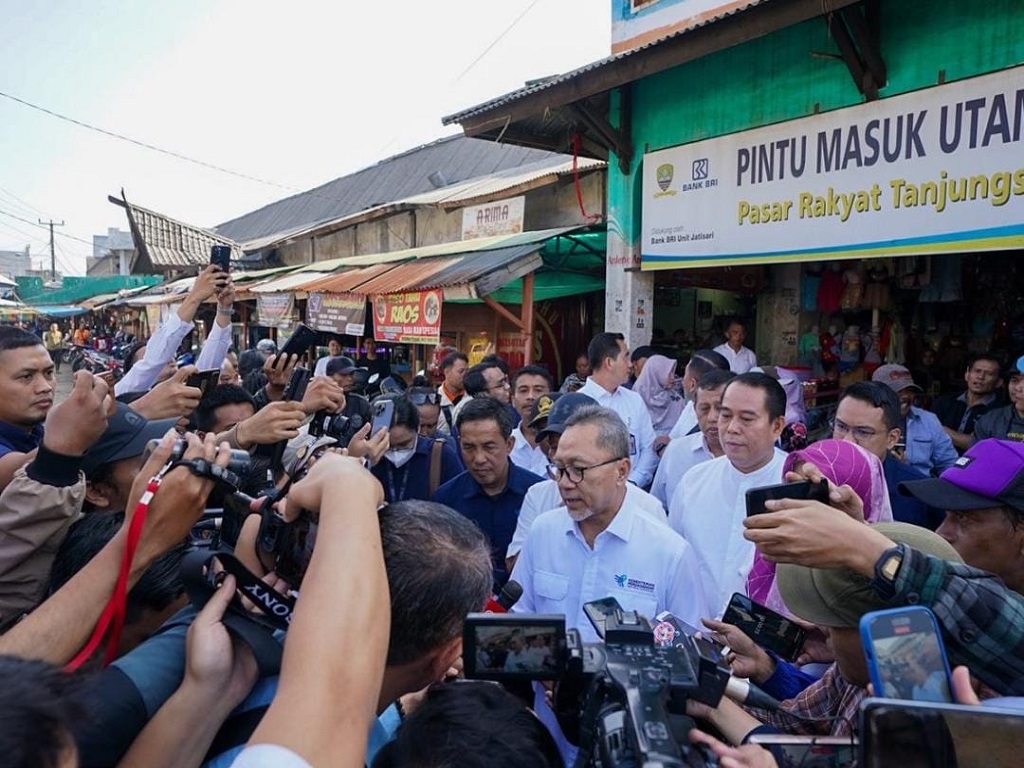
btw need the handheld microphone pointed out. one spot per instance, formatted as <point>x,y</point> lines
<point>745,692</point>
<point>508,597</point>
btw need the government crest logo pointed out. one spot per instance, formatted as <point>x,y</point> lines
<point>664,174</point>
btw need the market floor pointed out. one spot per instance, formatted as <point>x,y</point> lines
<point>63,384</point>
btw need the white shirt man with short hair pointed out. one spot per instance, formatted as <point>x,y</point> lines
<point>609,361</point>
<point>709,504</point>
<point>741,359</point>
<point>688,451</point>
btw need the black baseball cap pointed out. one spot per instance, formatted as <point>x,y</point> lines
<point>126,436</point>
<point>340,365</point>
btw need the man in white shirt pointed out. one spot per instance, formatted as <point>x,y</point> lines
<point>529,384</point>
<point>741,359</point>
<point>549,423</point>
<point>690,450</point>
<point>333,350</point>
<point>709,504</point>
<point>702,361</point>
<point>609,361</point>
<point>157,359</point>
<point>599,544</point>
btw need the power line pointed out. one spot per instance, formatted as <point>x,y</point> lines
<point>146,145</point>
<point>24,203</point>
<point>34,224</point>
<point>496,40</point>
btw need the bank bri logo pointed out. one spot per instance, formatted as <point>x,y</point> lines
<point>700,169</point>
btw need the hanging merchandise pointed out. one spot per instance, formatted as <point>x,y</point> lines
<point>829,347</point>
<point>809,288</point>
<point>872,356</point>
<point>897,338</point>
<point>946,280</point>
<point>853,289</point>
<point>849,354</point>
<point>876,292</point>
<point>809,350</point>
<point>830,290</point>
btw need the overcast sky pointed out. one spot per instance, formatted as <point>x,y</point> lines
<point>294,93</point>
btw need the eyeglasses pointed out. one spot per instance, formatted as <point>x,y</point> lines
<point>424,398</point>
<point>575,474</point>
<point>859,433</point>
<point>503,384</point>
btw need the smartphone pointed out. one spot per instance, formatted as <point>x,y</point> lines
<point>769,629</point>
<point>383,413</point>
<point>302,338</point>
<point>295,389</point>
<point>598,612</point>
<point>805,490</point>
<point>204,380</point>
<point>818,751</point>
<point>905,654</point>
<point>908,734</point>
<point>220,255</point>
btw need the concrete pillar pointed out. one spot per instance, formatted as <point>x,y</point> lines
<point>778,316</point>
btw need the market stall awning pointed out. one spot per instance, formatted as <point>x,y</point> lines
<point>59,311</point>
<point>292,282</point>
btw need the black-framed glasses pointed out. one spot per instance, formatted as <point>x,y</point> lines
<point>575,474</point>
<point>840,428</point>
<point>503,384</point>
<point>424,398</point>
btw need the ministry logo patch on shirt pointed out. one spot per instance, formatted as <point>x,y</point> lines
<point>637,585</point>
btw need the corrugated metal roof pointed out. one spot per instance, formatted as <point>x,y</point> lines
<point>291,282</point>
<point>348,281</point>
<point>453,159</point>
<point>588,69</point>
<point>409,276</point>
<point>441,249</point>
<point>171,243</point>
<point>509,180</point>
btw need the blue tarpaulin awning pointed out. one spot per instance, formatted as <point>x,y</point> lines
<point>60,311</point>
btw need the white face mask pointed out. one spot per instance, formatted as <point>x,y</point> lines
<point>400,458</point>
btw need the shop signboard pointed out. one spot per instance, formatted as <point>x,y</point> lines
<point>501,217</point>
<point>408,318</point>
<point>343,313</point>
<point>936,170</point>
<point>274,309</point>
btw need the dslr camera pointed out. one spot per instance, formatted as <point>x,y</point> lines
<point>622,701</point>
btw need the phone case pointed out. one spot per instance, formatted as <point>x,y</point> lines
<point>905,655</point>
<point>767,628</point>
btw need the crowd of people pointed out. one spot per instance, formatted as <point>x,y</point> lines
<point>124,643</point>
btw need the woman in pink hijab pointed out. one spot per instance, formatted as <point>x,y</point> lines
<point>843,463</point>
<point>656,385</point>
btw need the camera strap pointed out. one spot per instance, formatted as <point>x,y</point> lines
<point>112,618</point>
<point>255,630</point>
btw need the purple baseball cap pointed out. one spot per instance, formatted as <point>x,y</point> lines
<point>990,474</point>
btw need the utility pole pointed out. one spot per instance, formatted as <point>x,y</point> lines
<point>53,256</point>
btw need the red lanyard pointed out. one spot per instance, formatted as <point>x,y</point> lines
<point>113,614</point>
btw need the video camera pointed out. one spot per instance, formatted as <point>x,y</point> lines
<point>623,701</point>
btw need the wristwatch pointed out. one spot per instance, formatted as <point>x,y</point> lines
<point>886,568</point>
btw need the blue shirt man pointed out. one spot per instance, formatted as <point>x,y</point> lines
<point>491,490</point>
<point>405,470</point>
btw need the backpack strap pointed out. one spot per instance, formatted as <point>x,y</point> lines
<point>435,465</point>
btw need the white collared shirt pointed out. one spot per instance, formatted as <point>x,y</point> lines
<point>676,460</point>
<point>685,423</point>
<point>160,350</point>
<point>639,562</point>
<point>543,497</point>
<point>708,509</point>
<point>529,457</point>
<point>632,410</point>
<point>739,362</point>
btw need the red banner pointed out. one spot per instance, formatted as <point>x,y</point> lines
<point>408,318</point>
